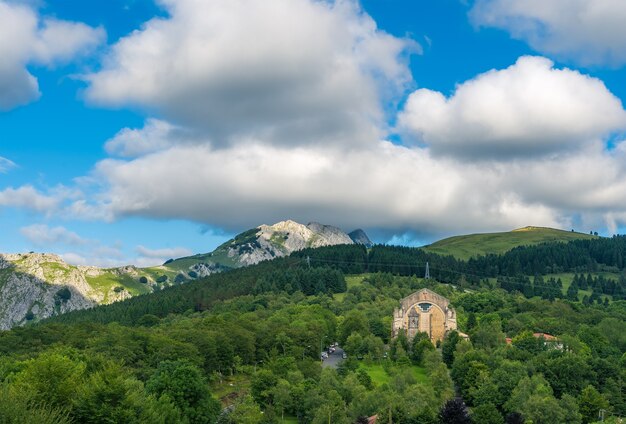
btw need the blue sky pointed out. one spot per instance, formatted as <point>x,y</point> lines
<point>133,131</point>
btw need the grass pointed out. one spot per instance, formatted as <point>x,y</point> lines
<point>105,282</point>
<point>379,376</point>
<point>568,277</point>
<point>467,246</point>
<point>351,281</point>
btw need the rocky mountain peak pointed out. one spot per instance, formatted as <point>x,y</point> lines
<point>358,236</point>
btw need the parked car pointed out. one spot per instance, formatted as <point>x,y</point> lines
<point>345,355</point>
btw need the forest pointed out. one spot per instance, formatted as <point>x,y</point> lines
<point>244,346</point>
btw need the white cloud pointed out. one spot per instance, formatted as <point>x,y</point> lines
<point>386,187</point>
<point>526,110</point>
<point>164,253</point>
<point>292,72</point>
<point>95,259</point>
<point>152,257</point>
<point>587,31</point>
<point>6,165</point>
<point>155,135</point>
<point>31,39</point>
<point>27,197</point>
<point>113,256</point>
<point>44,235</point>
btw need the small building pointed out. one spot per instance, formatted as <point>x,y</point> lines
<point>424,311</point>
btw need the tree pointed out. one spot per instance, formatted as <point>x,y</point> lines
<point>184,384</point>
<point>263,383</point>
<point>246,412</point>
<point>111,396</point>
<point>572,291</point>
<point>17,409</point>
<point>281,393</point>
<point>527,342</point>
<point>448,347</point>
<point>421,344</point>
<point>487,413</point>
<point>51,379</point>
<point>442,383</point>
<point>454,411</point>
<point>471,321</point>
<point>590,402</point>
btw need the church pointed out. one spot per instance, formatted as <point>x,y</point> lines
<point>424,311</point>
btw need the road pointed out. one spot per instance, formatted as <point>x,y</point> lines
<point>333,359</point>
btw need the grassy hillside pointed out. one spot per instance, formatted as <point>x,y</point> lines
<point>467,246</point>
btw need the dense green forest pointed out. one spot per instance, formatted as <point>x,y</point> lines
<point>243,346</point>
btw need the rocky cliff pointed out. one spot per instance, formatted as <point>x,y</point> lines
<point>38,285</point>
<point>281,239</point>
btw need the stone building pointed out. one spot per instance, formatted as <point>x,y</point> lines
<point>424,311</point>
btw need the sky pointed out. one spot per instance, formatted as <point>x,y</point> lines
<point>133,131</point>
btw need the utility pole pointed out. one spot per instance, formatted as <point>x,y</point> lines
<point>308,261</point>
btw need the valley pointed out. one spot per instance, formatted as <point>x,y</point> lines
<point>245,343</point>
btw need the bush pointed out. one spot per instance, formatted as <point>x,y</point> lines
<point>143,280</point>
<point>64,294</point>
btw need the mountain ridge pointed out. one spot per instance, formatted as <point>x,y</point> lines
<point>35,286</point>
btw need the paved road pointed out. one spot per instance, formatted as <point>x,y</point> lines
<point>333,359</point>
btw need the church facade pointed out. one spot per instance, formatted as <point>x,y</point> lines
<point>424,311</point>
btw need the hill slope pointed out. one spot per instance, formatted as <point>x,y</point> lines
<point>467,246</point>
<point>35,286</point>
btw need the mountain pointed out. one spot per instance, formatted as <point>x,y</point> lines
<point>467,246</point>
<point>39,285</point>
<point>34,286</point>
<point>266,242</point>
<point>359,237</point>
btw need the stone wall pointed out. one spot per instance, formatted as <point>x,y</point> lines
<point>424,311</point>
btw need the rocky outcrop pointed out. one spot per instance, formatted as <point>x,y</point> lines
<point>359,237</point>
<point>281,239</point>
<point>35,286</point>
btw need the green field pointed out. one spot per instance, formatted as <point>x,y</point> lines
<point>351,281</point>
<point>567,277</point>
<point>465,247</point>
<point>379,376</point>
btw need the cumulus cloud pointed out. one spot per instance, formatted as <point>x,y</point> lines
<point>90,252</point>
<point>44,235</point>
<point>591,32</point>
<point>291,72</point>
<point>35,40</point>
<point>111,259</point>
<point>155,135</point>
<point>386,187</point>
<point>526,110</point>
<point>158,256</point>
<point>113,256</point>
<point>28,197</point>
<point>6,165</point>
